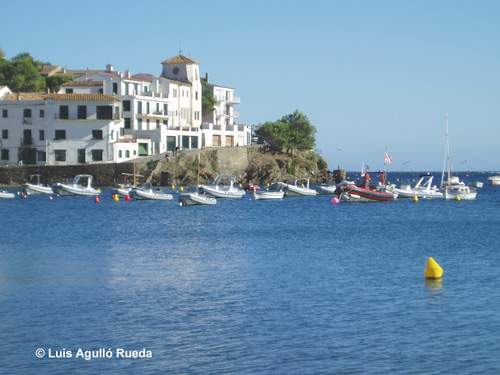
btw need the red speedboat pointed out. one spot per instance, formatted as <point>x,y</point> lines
<point>349,192</point>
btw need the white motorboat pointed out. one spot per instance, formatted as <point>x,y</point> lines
<point>349,192</point>
<point>423,189</point>
<point>494,180</point>
<point>4,194</point>
<point>35,186</point>
<point>269,194</point>
<point>457,189</point>
<point>194,195</point>
<point>217,190</point>
<point>80,185</point>
<point>148,193</point>
<point>299,190</point>
<point>326,189</point>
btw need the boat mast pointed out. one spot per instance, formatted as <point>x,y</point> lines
<point>446,154</point>
<point>198,176</point>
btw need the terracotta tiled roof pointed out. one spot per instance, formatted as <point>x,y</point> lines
<point>181,59</point>
<point>61,97</point>
<point>83,83</point>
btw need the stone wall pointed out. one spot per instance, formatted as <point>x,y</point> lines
<point>104,174</point>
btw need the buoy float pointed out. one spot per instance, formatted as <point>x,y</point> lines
<point>116,198</point>
<point>97,200</point>
<point>50,198</point>
<point>182,189</point>
<point>99,190</point>
<point>335,201</point>
<point>268,184</point>
<point>240,184</point>
<point>127,197</point>
<point>457,198</point>
<point>173,186</point>
<point>432,269</point>
<point>22,195</point>
<point>180,204</point>
<point>415,198</point>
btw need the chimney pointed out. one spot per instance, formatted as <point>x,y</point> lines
<point>127,73</point>
<point>206,79</point>
<point>109,67</point>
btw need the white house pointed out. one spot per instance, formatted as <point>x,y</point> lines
<point>40,128</point>
<point>219,127</point>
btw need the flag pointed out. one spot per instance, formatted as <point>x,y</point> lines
<point>388,159</point>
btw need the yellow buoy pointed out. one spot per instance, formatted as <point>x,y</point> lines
<point>432,269</point>
<point>457,198</point>
<point>415,199</point>
<point>268,184</point>
<point>240,184</point>
<point>173,186</point>
<point>116,198</point>
<point>182,189</point>
<point>99,190</point>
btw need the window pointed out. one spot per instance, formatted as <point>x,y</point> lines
<point>196,95</point>
<point>127,154</point>
<point>63,112</point>
<point>5,134</point>
<point>157,124</point>
<point>147,107</point>
<point>127,123</point>
<point>4,113</point>
<point>139,124</point>
<point>42,113</point>
<point>175,93</point>
<point>27,116</point>
<point>60,134</point>
<point>165,109</point>
<point>126,105</point>
<point>41,156</point>
<point>139,107</point>
<point>96,134</point>
<point>157,107</point>
<point>115,88</point>
<point>82,112</point>
<point>5,154</point>
<point>97,155</point>
<point>41,135</point>
<point>60,155</point>
<point>122,132</point>
<point>68,91</point>
<point>147,125</point>
<point>119,154</point>
<point>104,112</point>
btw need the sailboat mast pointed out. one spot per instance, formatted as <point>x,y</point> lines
<point>446,154</point>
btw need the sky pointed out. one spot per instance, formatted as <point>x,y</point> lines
<point>371,76</point>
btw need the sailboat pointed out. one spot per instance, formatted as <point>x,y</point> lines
<point>453,188</point>
<point>195,194</point>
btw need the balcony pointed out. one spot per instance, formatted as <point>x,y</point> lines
<point>27,120</point>
<point>27,142</point>
<point>233,100</point>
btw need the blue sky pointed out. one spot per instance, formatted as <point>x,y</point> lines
<point>371,76</point>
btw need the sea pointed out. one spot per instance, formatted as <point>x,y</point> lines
<point>296,286</point>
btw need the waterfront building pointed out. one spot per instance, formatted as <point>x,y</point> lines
<point>145,115</point>
<point>44,128</point>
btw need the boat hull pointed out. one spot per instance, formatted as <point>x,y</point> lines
<point>149,195</point>
<point>68,190</point>
<point>298,191</point>
<point>267,194</point>
<point>36,189</point>
<point>122,192</point>
<point>6,195</point>
<point>195,199</point>
<point>223,193</point>
<point>352,193</point>
<point>466,194</point>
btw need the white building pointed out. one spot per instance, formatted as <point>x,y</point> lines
<point>144,115</point>
<point>39,128</point>
<point>219,127</point>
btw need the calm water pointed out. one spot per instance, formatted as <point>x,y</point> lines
<point>298,286</point>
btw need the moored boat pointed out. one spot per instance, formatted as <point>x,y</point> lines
<point>193,196</point>
<point>4,194</point>
<point>217,190</point>
<point>457,189</point>
<point>423,189</point>
<point>326,189</point>
<point>34,186</point>
<point>494,180</point>
<point>347,191</point>
<point>80,185</point>
<point>269,193</point>
<point>148,193</point>
<point>299,190</point>
<point>124,189</point>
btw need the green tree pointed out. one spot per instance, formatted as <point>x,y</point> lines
<point>53,83</point>
<point>293,131</point>
<point>22,74</point>
<point>208,100</point>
